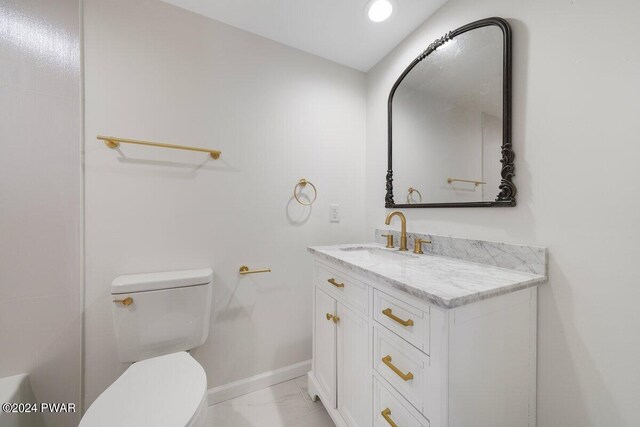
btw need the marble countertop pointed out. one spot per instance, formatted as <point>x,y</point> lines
<point>445,282</point>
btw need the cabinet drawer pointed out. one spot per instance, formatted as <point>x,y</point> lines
<point>390,409</point>
<point>409,322</point>
<point>402,365</point>
<point>348,290</point>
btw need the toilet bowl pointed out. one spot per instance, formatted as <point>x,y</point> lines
<point>157,317</point>
<point>164,391</point>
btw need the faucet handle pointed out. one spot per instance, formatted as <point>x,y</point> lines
<point>417,247</point>
<point>389,240</point>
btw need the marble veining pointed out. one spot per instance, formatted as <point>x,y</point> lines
<point>445,282</point>
<point>528,259</point>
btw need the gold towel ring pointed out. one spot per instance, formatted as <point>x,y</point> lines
<point>303,183</point>
<point>410,192</point>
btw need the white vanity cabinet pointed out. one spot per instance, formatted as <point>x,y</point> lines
<point>382,357</point>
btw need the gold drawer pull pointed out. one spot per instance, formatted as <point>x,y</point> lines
<point>336,284</point>
<point>387,312</point>
<point>126,301</point>
<point>387,361</point>
<point>329,316</point>
<point>386,414</point>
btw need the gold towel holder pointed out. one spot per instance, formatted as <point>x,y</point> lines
<point>303,183</point>
<point>245,270</point>
<point>113,142</point>
<point>476,183</point>
<point>410,191</point>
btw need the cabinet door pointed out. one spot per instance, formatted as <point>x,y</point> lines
<point>354,368</point>
<point>325,347</point>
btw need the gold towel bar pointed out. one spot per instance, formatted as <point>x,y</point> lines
<point>451,180</point>
<point>245,270</point>
<point>113,142</point>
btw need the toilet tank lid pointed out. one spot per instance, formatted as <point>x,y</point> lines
<point>163,280</point>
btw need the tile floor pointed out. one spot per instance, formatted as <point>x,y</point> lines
<point>283,405</point>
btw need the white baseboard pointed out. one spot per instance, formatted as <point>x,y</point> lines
<point>257,382</point>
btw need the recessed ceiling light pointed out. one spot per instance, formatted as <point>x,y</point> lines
<point>379,10</point>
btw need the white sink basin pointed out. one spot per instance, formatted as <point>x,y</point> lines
<point>381,254</point>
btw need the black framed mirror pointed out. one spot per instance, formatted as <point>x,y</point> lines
<point>449,123</point>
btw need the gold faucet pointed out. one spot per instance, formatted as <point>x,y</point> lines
<point>403,232</point>
<point>417,247</point>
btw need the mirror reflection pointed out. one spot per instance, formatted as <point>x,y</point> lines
<point>447,117</point>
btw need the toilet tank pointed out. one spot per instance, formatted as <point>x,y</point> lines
<point>161,313</point>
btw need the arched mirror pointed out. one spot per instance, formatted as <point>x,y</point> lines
<point>449,122</point>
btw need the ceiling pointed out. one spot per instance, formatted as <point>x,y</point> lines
<point>338,30</point>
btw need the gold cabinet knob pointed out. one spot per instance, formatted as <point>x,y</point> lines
<point>127,301</point>
<point>333,317</point>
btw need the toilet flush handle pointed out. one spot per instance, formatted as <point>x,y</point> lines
<point>126,301</point>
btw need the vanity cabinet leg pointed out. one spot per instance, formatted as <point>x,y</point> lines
<point>311,388</point>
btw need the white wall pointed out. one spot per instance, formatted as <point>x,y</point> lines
<point>491,155</point>
<point>160,73</point>
<point>40,198</point>
<point>433,141</point>
<point>576,92</point>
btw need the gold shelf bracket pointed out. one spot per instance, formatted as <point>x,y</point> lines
<point>113,142</point>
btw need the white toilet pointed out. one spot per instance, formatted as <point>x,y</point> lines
<point>157,317</point>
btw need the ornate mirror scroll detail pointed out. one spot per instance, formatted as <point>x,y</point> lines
<point>389,198</point>
<point>433,82</point>
<point>433,46</point>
